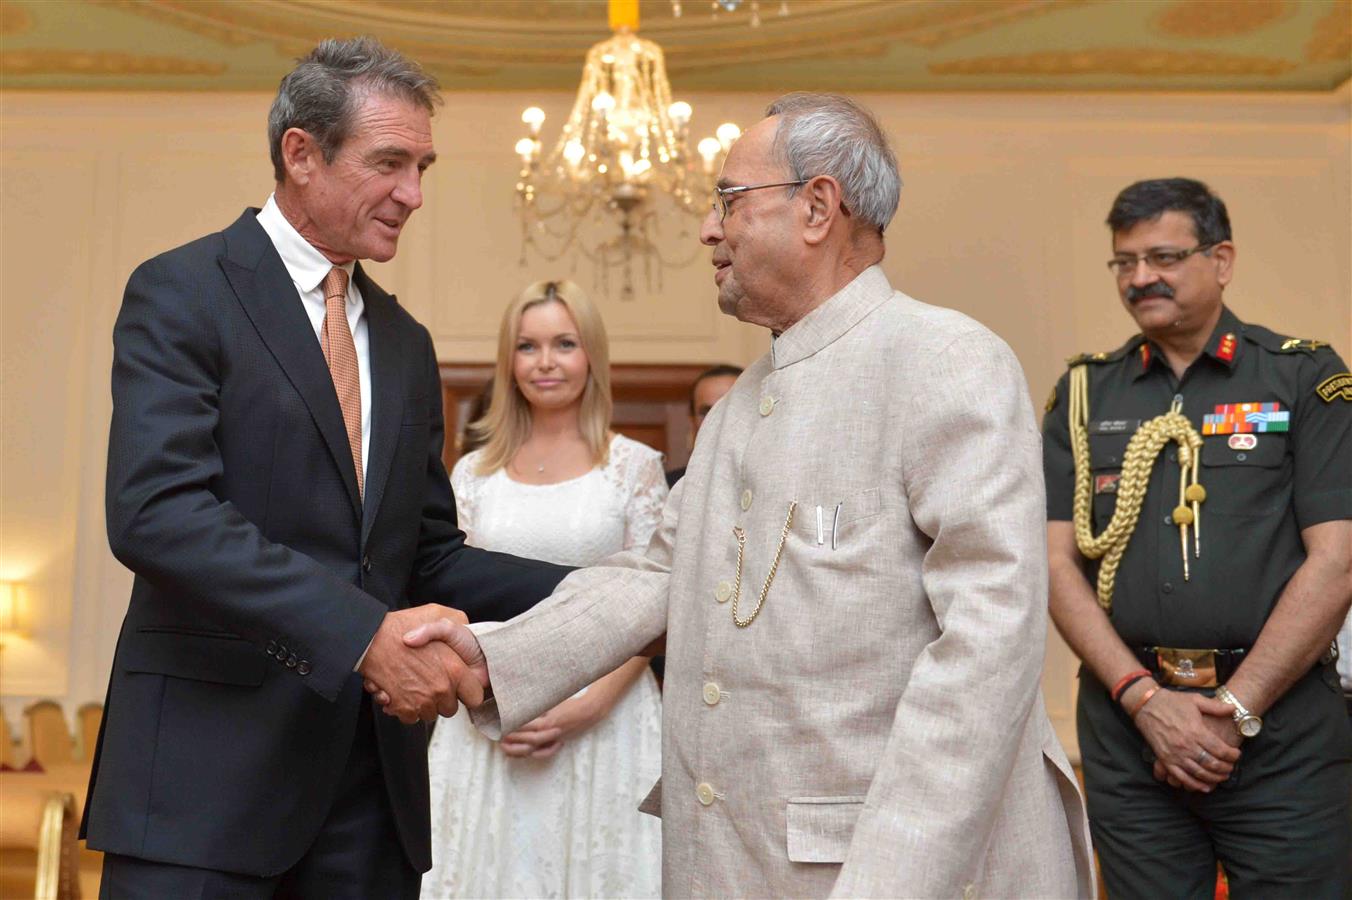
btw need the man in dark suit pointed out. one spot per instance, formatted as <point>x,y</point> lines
<point>275,483</point>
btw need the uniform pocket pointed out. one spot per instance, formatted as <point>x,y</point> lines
<point>1106,452</point>
<point>197,655</point>
<point>1249,478</point>
<point>820,828</point>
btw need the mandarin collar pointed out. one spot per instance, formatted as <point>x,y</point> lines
<point>829,321</point>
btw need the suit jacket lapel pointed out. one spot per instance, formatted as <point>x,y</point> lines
<point>386,393</point>
<point>269,298</point>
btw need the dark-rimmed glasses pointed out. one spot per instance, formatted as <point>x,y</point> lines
<point>1159,260</point>
<point>723,194</point>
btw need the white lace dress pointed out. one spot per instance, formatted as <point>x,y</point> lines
<point>567,826</point>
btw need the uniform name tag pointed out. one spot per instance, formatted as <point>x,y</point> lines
<point>1114,426</point>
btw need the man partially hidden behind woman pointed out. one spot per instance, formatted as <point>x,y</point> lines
<point>552,810</point>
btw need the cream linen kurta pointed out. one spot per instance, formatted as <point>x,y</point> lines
<point>879,729</point>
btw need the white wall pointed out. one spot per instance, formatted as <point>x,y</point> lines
<point>1001,217</point>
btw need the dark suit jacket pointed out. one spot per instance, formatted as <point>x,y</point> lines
<point>260,575</point>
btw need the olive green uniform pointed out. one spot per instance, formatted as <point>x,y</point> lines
<point>1282,824</point>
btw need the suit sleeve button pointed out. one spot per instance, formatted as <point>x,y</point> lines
<point>281,652</point>
<point>271,648</point>
<point>291,661</point>
<point>303,667</point>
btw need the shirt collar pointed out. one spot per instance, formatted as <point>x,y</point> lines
<point>841,312</point>
<point>1224,346</point>
<point>306,265</point>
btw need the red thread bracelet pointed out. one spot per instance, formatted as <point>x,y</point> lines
<point>1126,682</point>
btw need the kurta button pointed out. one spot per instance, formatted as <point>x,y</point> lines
<point>366,564</point>
<point>271,649</point>
<point>969,892</point>
<point>281,652</point>
<point>705,792</point>
<point>1167,587</point>
<point>746,499</point>
<point>291,661</point>
<point>303,667</point>
<point>767,405</point>
<point>723,592</point>
<point>711,693</point>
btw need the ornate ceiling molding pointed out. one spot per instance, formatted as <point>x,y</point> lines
<point>14,19</point>
<point>887,45</point>
<point>1202,19</point>
<point>74,62</point>
<point>1137,61</point>
<point>1332,37</point>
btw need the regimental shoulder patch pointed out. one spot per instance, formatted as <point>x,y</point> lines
<point>1051,400</point>
<point>1339,386</point>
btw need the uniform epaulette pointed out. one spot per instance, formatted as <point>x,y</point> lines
<point>1280,343</point>
<point>1105,356</point>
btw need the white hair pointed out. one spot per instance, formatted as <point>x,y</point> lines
<point>827,134</point>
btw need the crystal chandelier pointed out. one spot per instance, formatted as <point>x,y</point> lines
<point>623,157</point>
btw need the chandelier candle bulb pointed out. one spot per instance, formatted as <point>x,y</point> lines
<point>727,133</point>
<point>533,117</point>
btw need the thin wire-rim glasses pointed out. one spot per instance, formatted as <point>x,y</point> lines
<point>722,194</point>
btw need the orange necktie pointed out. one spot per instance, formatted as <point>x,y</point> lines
<point>341,353</point>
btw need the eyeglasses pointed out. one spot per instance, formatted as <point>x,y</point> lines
<point>1159,260</point>
<point>723,194</point>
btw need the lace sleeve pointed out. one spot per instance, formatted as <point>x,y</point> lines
<point>465,485</point>
<point>646,482</point>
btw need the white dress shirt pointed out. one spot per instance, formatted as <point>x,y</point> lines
<point>307,268</point>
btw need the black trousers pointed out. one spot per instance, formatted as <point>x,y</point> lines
<point>1281,826</point>
<point>356,856</point>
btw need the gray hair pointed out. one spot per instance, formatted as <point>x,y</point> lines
<point>827,134</point>
<point>321,94</point>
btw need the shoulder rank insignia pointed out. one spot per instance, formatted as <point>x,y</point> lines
<point>1298,344</point>
<point>1085,357</point>
<point>1051,400</point>
<point>1331,389</point>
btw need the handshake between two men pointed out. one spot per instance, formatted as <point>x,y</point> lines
<point>423,662</point>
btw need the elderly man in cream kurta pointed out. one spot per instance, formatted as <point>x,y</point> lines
<point>851,576</point>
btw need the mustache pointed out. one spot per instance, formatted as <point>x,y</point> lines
<point>1154,289</point>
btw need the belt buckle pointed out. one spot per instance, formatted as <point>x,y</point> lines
<point>1187,668</point>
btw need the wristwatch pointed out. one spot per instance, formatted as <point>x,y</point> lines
<point>1246,722</point>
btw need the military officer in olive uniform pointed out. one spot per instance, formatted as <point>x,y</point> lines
<point>1199,498</point>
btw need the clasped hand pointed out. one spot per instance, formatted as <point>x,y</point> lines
<point>1194,739</point>
<point>423,662</point>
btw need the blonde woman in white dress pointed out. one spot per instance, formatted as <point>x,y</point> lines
<point>551,811</point>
